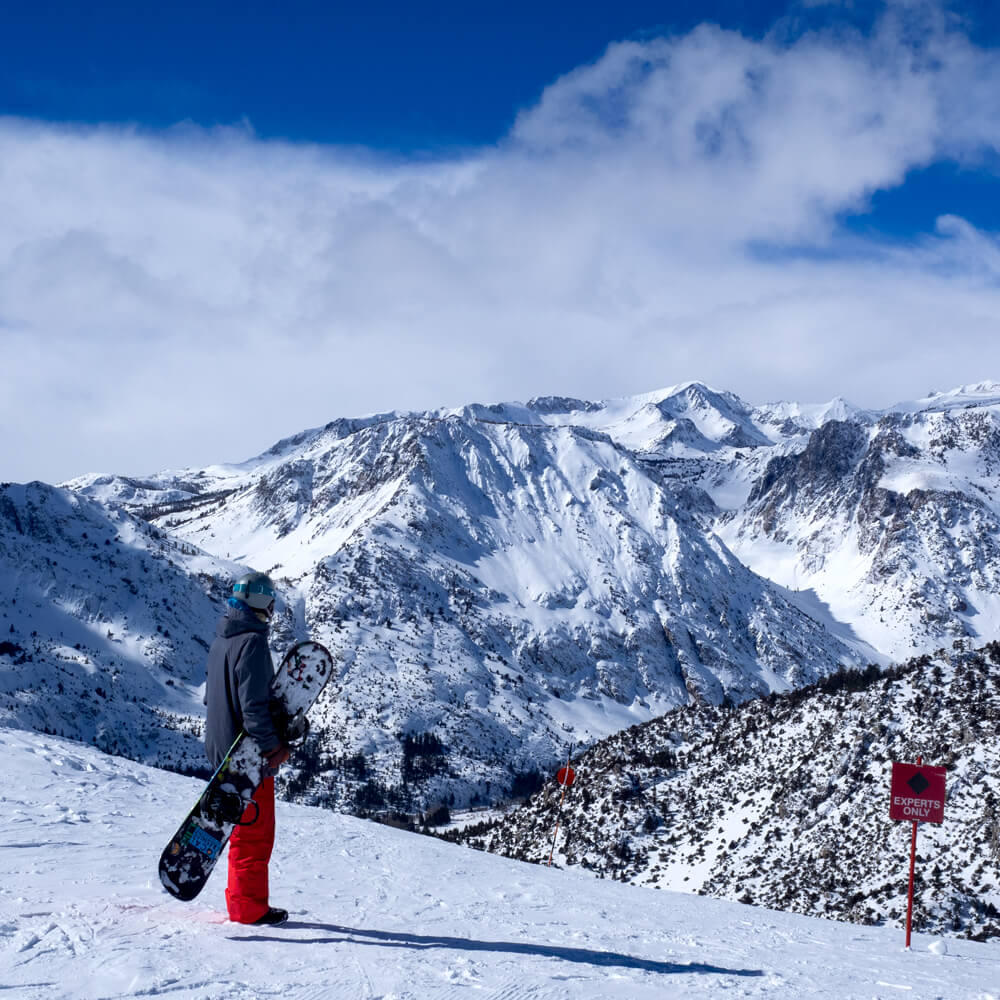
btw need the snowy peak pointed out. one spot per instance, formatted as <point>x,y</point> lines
<point>690,419</point>
<point>978,394</point>
<point>699,420</point>
<point>794,419</point>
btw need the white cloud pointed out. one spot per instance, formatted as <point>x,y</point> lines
<point>189,297</point>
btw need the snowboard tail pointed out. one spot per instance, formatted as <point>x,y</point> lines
<point>193,851</point>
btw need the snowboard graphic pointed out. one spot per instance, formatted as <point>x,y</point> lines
<point>189,858</point>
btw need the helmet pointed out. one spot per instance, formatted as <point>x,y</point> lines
<point>256,590</point>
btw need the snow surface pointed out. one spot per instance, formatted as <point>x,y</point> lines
<point>380,913</point>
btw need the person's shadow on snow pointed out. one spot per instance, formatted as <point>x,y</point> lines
<point>399,939</point>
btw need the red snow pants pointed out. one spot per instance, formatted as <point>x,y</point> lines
<point>249,854</point>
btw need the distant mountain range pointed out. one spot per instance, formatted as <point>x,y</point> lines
<point>498,582</point>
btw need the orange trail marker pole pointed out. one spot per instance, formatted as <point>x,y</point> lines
<point>565,777</point>
<point>913,861</point>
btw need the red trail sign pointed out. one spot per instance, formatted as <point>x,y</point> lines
<point>917,793</point>
<point>566,776</point>
<point>917,796</point>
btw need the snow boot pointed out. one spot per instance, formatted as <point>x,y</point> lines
<point>272,917</point>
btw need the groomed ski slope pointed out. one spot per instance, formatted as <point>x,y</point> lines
<point>377,912</point>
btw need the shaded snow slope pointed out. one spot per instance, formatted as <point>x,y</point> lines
<point>376,912</point>
<point>103,625</point>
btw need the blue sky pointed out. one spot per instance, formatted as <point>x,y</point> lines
<point>401,76</point>
<point>414,206</point>
<point>413,79</point>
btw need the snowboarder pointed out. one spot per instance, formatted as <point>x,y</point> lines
<point>237,695</point>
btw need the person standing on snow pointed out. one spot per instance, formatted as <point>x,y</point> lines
<point>239,672</point>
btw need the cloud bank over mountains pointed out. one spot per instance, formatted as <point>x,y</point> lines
<point>673,210</point>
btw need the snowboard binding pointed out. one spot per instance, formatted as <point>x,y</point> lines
<point>292,728</point>
<point>224,806</point>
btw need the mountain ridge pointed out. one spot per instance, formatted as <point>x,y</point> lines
<point>515,577</point>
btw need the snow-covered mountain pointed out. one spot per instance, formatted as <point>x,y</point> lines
<point>497,582</point>
<point>893,519</point>
<point>784,801</point>
<point>377,912</point>
<point>507,579</point>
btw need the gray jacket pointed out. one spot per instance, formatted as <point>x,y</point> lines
<point>239,672</point>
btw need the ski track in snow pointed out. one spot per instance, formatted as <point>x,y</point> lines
<point>380,913</point>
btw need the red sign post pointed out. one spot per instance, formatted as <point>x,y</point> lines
<point>917,795</point>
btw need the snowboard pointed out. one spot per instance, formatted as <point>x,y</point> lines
<point>188,860</point>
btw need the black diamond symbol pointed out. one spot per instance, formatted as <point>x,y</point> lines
<point>919,784</point>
